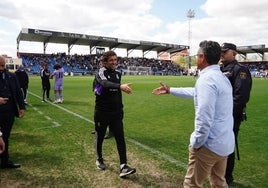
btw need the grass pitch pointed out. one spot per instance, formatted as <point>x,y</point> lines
<point>54,143</point>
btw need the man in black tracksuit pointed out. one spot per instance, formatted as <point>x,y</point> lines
<point>109,110</point>
<point>45,76</point>
<point>241,81</point>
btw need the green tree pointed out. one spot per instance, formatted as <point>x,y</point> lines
<point>183,61</point>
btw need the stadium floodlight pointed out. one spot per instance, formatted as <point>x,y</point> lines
<point>190,15</point>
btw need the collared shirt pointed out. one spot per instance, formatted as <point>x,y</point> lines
<point>213,103</point>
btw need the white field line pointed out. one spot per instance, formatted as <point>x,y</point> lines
<point>55,124</point>
<point>151,150</point>
<point>64,109</point>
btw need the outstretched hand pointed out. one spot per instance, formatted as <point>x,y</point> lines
<point>163,89</point>
<point>126,88</point>
<point>2,145</point>
<point>3,100</point>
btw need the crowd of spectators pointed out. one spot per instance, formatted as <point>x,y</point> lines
<point>71,63</point>
<point>258,69</point>
<point>88,64</point>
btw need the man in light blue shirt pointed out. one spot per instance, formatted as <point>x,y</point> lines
<point>212,139</point>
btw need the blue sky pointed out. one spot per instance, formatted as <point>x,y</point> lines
<point>176,10</point>
<point>241,22</point>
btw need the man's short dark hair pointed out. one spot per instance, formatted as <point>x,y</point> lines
<point>108,54</point>
<point>57,66</point>
<point>211,50</point>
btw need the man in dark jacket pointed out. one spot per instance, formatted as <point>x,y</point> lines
<point>11,106</point>
<point>109,110</point>
<point>23,80</point>
<point>241,81</point>
<point>45,76</point>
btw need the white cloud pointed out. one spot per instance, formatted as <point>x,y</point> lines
<point>241,22</point>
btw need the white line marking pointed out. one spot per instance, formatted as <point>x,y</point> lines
<point>64,109</point>
<point>158,153</point>
<point>56,124</point>
<point>40,112</point>
<point>47,117</point>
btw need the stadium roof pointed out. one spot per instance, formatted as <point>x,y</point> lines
<point>94,42</point>
<point>259,49</point>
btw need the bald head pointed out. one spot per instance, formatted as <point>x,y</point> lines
<point>2,63</point>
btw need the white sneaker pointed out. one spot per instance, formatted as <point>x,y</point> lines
<point>126,170</point>
<point>100,164</point>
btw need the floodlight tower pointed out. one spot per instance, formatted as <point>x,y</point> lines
<point>190,15</point>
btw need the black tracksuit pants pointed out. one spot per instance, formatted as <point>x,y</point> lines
<point>115,123</point>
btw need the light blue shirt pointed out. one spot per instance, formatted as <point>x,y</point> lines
<point>213,101</point>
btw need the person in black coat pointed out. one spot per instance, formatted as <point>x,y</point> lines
<point>23,80</point>
<point>11,106</point>
<point>241,81</point>
<point>45,76</point>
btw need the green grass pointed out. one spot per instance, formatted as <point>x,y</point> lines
<point>55,146</point>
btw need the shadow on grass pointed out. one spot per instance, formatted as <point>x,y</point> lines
<point>239,185</point>
<point>146,178</point>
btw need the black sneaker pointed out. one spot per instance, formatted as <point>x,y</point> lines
<point>10,164</point>
<point>100,164</point>
<point>126,170</point>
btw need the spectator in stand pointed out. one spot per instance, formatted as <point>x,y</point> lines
<point>58,74</point>
<point>24,81</point>
<point>45,76</point>
<point>11,106</point>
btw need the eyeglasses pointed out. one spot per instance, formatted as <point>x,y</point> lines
<point>224,52</point>
<point>198,55</point>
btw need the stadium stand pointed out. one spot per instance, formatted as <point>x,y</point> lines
<point>96,43</point>
<point>88,64</point>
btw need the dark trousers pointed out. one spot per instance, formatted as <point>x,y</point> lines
<point>25,92</point>
<point>115,123</point>
<point>6,123</point>
<point>231,157</point>
<point>45,91</point>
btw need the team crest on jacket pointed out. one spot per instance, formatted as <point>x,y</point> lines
<point>228,74</point>
<point>243,75</point>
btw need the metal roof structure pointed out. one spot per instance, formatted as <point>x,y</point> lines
<point>258,49</point>
<point>94,42</point>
